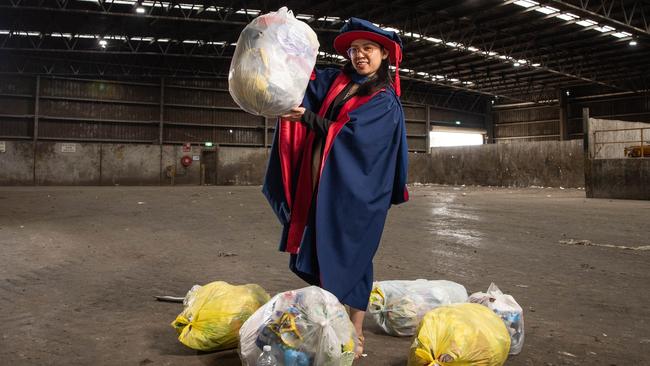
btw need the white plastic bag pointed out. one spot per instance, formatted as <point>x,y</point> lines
<point>306,327</point>
<point>398,306</point>
<point>507,308</point>
<point>272,64</point>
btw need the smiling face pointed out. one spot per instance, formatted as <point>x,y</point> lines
<point>366,56</point>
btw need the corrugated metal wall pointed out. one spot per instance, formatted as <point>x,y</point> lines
<point>635,108</point>
<point>540,123</point>
<point>169,111</point>
<point>527,124</point>
<point>17,100</point>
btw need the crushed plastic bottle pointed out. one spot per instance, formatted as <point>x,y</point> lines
<point>266,358</point>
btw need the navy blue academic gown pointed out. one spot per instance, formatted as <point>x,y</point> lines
<point>333,232</point>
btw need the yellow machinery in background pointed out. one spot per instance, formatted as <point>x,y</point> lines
<point>640,151</point>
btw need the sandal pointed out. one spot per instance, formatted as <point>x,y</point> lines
<point>358,351</point>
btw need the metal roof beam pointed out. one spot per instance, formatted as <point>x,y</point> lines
<point>639,10</point>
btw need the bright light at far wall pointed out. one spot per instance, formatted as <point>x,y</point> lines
<point>447,136</point>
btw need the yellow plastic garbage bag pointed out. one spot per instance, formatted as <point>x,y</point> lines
<point>460,334</point>
<point>214,313</point>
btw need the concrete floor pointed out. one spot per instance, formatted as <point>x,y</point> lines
<point>79,267</point>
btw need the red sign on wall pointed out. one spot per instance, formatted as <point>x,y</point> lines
<point>187,147</point>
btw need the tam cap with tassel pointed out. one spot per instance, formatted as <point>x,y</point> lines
<point>356,28</point>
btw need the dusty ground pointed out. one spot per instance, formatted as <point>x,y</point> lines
<point>79,267</point>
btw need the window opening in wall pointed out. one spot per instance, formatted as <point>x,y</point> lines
<point>456,137</point>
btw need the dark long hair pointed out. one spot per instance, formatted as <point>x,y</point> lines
<point>382,78</point>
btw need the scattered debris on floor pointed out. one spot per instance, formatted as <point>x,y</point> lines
<point>169,299</point>
<point>566,354</point>
<point>588,243</point>
<point>226,254</point>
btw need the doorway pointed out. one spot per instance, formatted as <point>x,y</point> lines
<point>209,167</point>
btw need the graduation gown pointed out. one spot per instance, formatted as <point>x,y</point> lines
<point>333,232</point>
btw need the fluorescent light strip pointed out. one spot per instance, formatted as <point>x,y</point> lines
<point>567,16</point>
<point>329,19</point>
<point>253,12</point>
<point>605,29</point>
<point>526,3</point>
<point>621,34</point>
<point>325,54</point>
<point>547,10</point>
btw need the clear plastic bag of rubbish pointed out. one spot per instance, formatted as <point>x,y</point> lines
<point>305,327</point>
<point>273,61</point>
<point>460,334</point>
<point>213,314</point>
<point>508,309</point>
<point>398,306</point>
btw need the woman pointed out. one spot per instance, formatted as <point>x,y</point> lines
<point>332,177</point>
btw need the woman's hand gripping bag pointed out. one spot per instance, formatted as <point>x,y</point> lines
<point>273,61</point>
<point>460,335</point>
<point>214,313</point>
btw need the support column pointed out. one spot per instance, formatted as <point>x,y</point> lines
<point>37,94</point>
<point>160,128</point>
<point>266,132</point>
<point>428,129</point>
<point>489,122</point>
<point>563,100</point>
<point>162,110</point>
<point>587,153</point>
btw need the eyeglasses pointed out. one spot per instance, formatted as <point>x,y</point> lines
<point>366,50</point>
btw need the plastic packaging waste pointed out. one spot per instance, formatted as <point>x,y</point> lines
<point>508,309</point>
<point>273,61</point>
<point>460,334</point>
<point>305,327</point>
<point>398,306</point>
<point>214,313</point>
<point>266,357</point>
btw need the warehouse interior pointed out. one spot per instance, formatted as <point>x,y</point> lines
<point>127,170</point>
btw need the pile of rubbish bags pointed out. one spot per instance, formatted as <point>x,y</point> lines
<point>303,327</point>
<point>310,327</point>
<point>273,61</point>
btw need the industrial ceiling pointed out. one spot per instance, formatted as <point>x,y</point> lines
<point>499,50</point>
